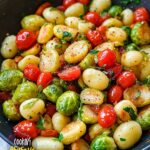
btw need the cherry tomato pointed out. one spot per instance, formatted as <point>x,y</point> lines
<point>26,129</point>
<point>61,8</point>
<point>71,88</point>
<point>31,72</point>
<point>4,96</point>
<point>115,94</point>
<point>105,17</point>
<point>95,37</point>
<point>87,137</point>
<point>49,133</point>
<point>102,29</point>
<point>44,79</point>
<point>25,39</point>
<point>141,14</point>
<point>41,8</point>
<point>67,3</point>
<point>50,109</point>
<point>85,2</point>
<point>126,79</point>
<point>93,17</point>
<point>106,58</point>
<point>18,58</point>
<point>114,71</point>
<point>70,74</point>
<point>95,108</point>
<point>107,116</point>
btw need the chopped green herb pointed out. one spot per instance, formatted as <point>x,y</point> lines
<point>55,139</point>
<point>104,13</point>
<point>137,94</point>
<point>30,105</point>
<point>93,51</point>
<point>63,41</point>
<point>60,138</point>
<point>131,112</point>
<point>122,139</point>
<point>147,80</point>
<point>85,8</point>
<point>81,16</point>
<point>40,123</point>
<point>58,46</point>
<point>66,34</point>
<point>126,2</point>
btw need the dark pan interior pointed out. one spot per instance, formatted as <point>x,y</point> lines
<point>11,12</point>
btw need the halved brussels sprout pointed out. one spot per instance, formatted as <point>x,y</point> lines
<point>52,92</point>
<point>9,79</point>
<point>115,10</point>
<point>11,111</point>
<point>68,103</point>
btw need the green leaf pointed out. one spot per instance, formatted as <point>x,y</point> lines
<point>122,139</point>
<point>40,123</point>
<point>93,51</point>
<point>81,16</point>
<point>66,34</point>
<point>147,80</point>
<point>131,112</point>
<point>60,138</point>
<point>85,8</point>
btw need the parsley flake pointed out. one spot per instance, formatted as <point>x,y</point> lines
<point>131,112</point>
<point>40,123</point>
<point>122,139</point>
<point>60,138</point>
<point>137,94</point>
<point>66,34</point>
<point>93,51</point>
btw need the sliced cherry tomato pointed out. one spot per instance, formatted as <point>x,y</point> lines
<point>106,58</point>
<point>70,74</point>
<point>95,37</point>
<point>71,88</point>
<point>102,29</point>
<point>26,129</point>
<point>49,133</point>
<point>115,94</point>
<point>67,3</point>
<point>141,14</point>
<point>93,17</point>
<point>85,2</point>
<point>126,79</point>
<point>61,8</point>
<point>4,96</point>
<point>95,108</point>
<point>41,8</point>
<point>25,39</point>
<point>50,109</point>
<point>114,71</point>
<point>31,72</point>
<point>18,58</point>
<point>107,116</point>
<point>44,79</point>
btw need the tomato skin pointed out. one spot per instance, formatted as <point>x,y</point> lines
<point>106,58</point>
<point>4,96</point>
<point>126,79</point>
<point>71,88</point>
<point>114,71</point>
<point>18,58</point>
<point>50,109</point>
<point>44,79</point>
<point>41,8</point>
<point>107,116</point>
<point>26,129</point>
<point>25,39</point>
<point>95,37</point>
<point>85,2</point>
<point>93,17</point>
<point>95,108</point>
<point>61,8</point>
<point>31,72</point>
<point>115,94</point>
<point>141,14</point>
<point>49,133</point>
<point>70,74</point>
<point>67,3</point>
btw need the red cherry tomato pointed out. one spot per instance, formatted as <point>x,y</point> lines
<point>87,137</point>
<point>25,39</point>
<point>95,108</point>
<point>67,3</point>
<point>26,129</point>
<point>141,14</point>
<point>31,72</point>
<point>95,37</point>
<point>61,8</point>
<point>85,2</point>
<point>106,58</point>
<point>50,109</point>
<point>107,116</point>
<point>105,17</point>
<point>115,94</point>
<point>93,17</point>
<point>126,79</point>
<point>70,74</point>
<point>71,88</point>
<point>114,71</point>
<point>44,79</point>
<point>102,29</point>
<point>4,96</point>
<point>49,133</point>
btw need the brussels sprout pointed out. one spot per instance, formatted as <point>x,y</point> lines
<point>140,34</point>
<point>144,118</point>
<point>52,92</point>
<point>103,142</point>
<point>127,29</point>
<point>11,111</point>
<point>9,79</point>
<point>68,103</point>
<point>131,47</point>
<point>25,91</point>
<point>87,115</point>
<point>32,22</point>
<point>8,64</point>
<point>115,10</point>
